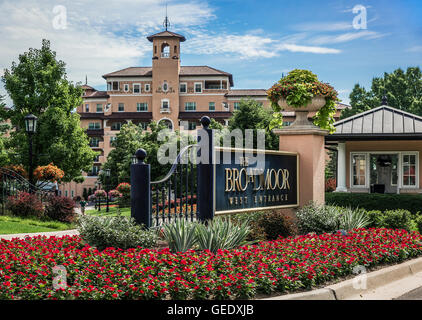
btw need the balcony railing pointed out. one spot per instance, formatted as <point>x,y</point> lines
<point>165,110</point>
<point>165,54</point>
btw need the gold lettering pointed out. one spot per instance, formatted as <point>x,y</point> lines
<point>229,180</point>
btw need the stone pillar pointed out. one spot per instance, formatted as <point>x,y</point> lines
<point>309,142</point>
<point>341,167</point>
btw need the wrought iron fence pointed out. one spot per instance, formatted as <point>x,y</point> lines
<point>174,196</point>
<point>12,183</point>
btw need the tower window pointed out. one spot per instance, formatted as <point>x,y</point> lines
<point>175,49</point>
<point>136,88</point>
<point>165,86</point>
<point>165,51</point>
<point>147,87</point>
<point>183,88</point>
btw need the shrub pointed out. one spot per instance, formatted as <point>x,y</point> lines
<point>418,222</point>
<point>383,202</point>
<point>25,205</point>
<point>117,232</point>
<point>350,219</point>
<point>60,209</point>
<point>276,224</point>
<point>375,218</point>
<point>180,235</point>
<point>397,219</point>
<point>318,219</point>
<point>257,232</point>
<point>124,188</point>
<point>100,194</point>
<point>221,233</point>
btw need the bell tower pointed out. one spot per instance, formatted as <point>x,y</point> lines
<point>165,74</point>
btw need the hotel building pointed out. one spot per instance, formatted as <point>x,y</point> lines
<point>165,92</point>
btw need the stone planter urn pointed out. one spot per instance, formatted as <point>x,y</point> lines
<point>302,113</point>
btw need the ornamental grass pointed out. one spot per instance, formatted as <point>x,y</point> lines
<point>280,266</point>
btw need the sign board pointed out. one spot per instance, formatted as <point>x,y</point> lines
<point>255,180</point>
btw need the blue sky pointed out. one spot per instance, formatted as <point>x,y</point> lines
<point>256,41</point>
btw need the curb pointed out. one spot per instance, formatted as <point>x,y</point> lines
<point>347,289</point>
<point>72,232</point>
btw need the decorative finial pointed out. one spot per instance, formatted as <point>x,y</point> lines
<point>86,79</point>
<point>384,100</point>
<point>141,154</point>
<point>205,121</point>
<point>166,23</point>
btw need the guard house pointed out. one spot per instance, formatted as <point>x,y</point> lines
<point>378,151</point>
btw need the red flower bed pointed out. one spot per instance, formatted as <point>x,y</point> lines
<point>278,266</point>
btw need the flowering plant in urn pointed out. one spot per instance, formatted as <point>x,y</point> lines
<point>302,92</point>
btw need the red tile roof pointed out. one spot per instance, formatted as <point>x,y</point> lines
<point>96,94</point>
<point>184,71</point>
<point>166,34</point>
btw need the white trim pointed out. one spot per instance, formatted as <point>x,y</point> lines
<point>142,79</point>
<point>111,88</point>
<point>194,87</point>
<point>165,110</point>
<point>186,84</point>
<point>245,97</point>
<point>352,185</point>
<point>95,100</point>
<point>133,88</point>
<point>400,155</point>
<point>194,78</point>
<point>126,85</point>
<point>149,87</point>
<point>118,106</point>
<point>130,95</point>
<point>201,94</point>
<point>172,124</point>
<point>416,154</point>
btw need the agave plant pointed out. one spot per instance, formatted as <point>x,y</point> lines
<point>353,219</point>
<point>221,234</point>
<point>180,235</point>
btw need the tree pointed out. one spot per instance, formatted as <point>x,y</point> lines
<point>4,128</point>
<point>402,89</point>
<point>252,115</point>
<point>131,138</point>
<point>37,84</point>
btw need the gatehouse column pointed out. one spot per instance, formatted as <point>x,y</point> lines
<point>309,143</point>
<point>341,167</point>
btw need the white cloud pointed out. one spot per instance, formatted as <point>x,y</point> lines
<point>308,49</point>
<point>324,26</point>
<point>101,36</point>
<point>346,37</point>
<point>415,49</point>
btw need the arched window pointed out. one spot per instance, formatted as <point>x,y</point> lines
<point>165,51</point>
<point>167,122</point>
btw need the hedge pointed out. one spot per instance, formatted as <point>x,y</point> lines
<point>381,202</point>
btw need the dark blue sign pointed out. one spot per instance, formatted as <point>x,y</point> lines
<point>255,180</point>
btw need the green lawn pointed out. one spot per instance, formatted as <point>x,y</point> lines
<point>10,225</point>
<point>113,212</point>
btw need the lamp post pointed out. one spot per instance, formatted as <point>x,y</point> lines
<point>107,181</point>
<point>98,185</point>
<point>30,128</point>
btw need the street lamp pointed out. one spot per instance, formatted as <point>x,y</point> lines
<point>106,181</point>
<point>30,128</point>
<point>98,185</point>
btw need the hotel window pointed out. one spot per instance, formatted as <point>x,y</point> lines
<point>87,107</point>
<point>198,87</point>
<point>113,86</point>
<point>236,106</point>
<point>99,107</point>
<point>359,170</point>
<point>147,87</point>
<point>165,105</point>
<point>121,107</point>
<point>65,193</point>
<point>191,125</point>
<point>72,193</point>
<point>94,126</point>
<point>95,170</point>
<point>190,106</point>
<point>226,106</point>
<point>97,158</point>
<point>409,169</point>
<point>126,87</point>
<point>211,106</point>
<point>94,142</point>
<point>137,88</point>
<point>116,126</point>
<point>142,106</point>
<point>183,88</point>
